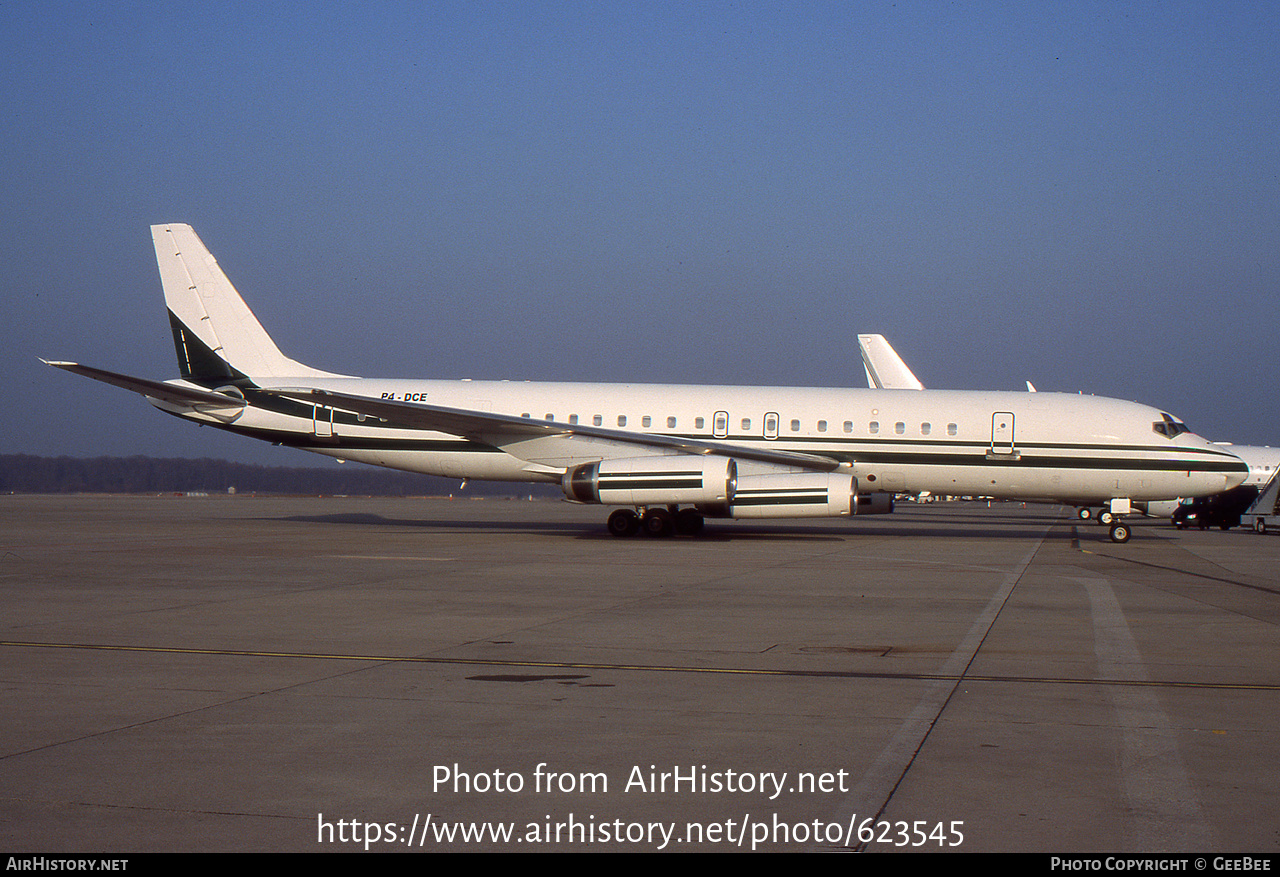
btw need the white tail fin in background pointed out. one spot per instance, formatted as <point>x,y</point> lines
<point>216,335</point>
<point>885,369</point>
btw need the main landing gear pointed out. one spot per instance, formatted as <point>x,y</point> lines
<point>656,522</point>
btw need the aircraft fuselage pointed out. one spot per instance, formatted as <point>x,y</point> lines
<point>1056,446</point>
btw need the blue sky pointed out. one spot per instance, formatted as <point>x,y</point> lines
<point>1086,195</point>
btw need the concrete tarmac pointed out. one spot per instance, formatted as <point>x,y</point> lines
<point>322,674</point>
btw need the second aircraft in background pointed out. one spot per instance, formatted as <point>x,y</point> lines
<point>886,370</point>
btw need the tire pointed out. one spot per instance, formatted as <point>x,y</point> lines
<point>657,522</point>
<point>689,522</point>
<point>1259,526</point>
<point>1120,533</point>
<point>1105,518</point>
<point>1084,514</point>
<point>623,522</point>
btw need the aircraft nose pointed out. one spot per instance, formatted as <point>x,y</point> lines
<point>1210,482</point>
<point>1235,479</point>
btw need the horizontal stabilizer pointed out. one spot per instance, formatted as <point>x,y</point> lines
<point>174,394</point>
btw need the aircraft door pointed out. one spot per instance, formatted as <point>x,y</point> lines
<point>1002,432</point>
<point>720,424</point>
<point>771,425</point>
<point>322,421</point>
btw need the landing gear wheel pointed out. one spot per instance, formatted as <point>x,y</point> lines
<point>657,522</point>
<point>1259,526</point>
<point>1120,532</point>
<point>689,522</point>
<point>624,522</point>
<point>1105,518</point>
<point>1084,514</point>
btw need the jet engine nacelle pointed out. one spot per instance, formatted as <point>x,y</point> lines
<point>802,495</point>
<point>665,480</point>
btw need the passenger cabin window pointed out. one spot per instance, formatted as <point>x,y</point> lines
<point>926,428</point>
<point>597,420</point>
<point>952,429</point>
<point>822,426</point>
<point>573,418</point>
<point>900,428</point>
<point>646,421</point>
<point>550,417</point>
<point>671,423</point>
<point>795,426</point>
<point>873,427</point>
<point>848,426</point>
<point>746,424</point>
<point>622,420</point>
<point>699,423</point>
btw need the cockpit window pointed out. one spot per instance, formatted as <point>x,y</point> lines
<point>1168,427</point>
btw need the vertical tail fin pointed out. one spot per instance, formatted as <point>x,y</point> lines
<point>216,336</point>
<point>885,369</point>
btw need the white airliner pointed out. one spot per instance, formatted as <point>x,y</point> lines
<point>670,454</point>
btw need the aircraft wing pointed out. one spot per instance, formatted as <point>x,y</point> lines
<point>174,394</point>
<point>546,442</point>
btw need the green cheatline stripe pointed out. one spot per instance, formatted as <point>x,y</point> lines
<point>651,668</point>
<point>944,443</point>
<point>741,499</point>
<point>1027,461</point>
<point>639,476</point>
<point>649,484</point>
<point>658,473</point>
